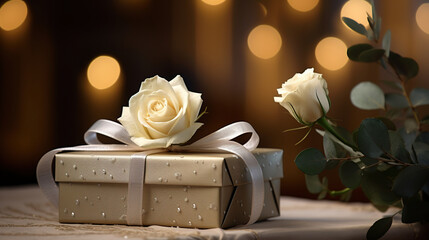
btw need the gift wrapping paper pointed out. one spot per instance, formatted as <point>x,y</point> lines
<point>203,190</point>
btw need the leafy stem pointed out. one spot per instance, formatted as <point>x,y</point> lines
<point>391,161</point>
<point>328,127</point>
<point>336,193</point>
<point>413,109</point>
<point>407,97</point>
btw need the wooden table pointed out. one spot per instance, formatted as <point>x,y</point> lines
<point>26,214</point>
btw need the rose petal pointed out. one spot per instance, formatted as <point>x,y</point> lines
<point>195,103</point>
<point>178,81</point>
<point>129,124</point>
<point>180,124</point>
<point>184,135</point>
<point>153,132</point>
<point>157,83</point>
<point>147,101</point>
<point>182,95</point>
<point>178,138</point>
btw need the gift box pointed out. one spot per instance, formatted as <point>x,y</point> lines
<point>203,190</point>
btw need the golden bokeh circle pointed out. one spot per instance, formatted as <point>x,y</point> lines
<point>357,10</point>
<point>303,5</point>
<point>331,53</point>
<point>12,14</point>
<point>103,72</point>
<point>213,2</point>
<point>422,17</point>
<point>264,41</point>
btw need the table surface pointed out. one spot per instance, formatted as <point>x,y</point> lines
<point>26,214</point>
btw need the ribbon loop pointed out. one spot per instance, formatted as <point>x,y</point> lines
<point>109,129</point>
<point>226,133</point>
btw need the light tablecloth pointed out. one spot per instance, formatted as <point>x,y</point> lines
<point>26,214</point>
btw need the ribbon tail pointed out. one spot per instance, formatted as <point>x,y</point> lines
<point>135,186</point>
<point>45,179</point>
<point>256,175</point>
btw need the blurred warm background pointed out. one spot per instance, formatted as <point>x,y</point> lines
<point>65,64</point>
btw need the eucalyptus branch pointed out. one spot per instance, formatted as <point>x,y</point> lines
<point>413,109</point>
<point>397,160</point>
<point>328,127</point>
<point>407,97</point>
<point>371,165</point>
<point>392,161</point>
<point>347,158</point>
<point>336,193</point>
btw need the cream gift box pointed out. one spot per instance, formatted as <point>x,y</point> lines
<point>203,190</point>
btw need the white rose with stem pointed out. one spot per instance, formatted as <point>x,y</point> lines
<point>305,96</point>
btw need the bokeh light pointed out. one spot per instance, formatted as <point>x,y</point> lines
<point>103,72</point>
<point>264,41</point>
<point>303,5</point>
<point>12,14</point>
<point>331,53</point>
<point>213,2</point>
<point>422,17</point>
<point>357,10</point>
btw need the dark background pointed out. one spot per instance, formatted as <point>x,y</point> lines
<point>46,101</point>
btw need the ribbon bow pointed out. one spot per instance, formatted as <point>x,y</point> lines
<point>218,141</point>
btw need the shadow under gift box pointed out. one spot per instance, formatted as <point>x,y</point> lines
<point>203,190</point>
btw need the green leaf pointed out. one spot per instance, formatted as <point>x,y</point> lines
<point>410,180</point>
<point>355,26</point>
<point>394,85</point>
<point>370,21</point>
<point>419,96</point>
<point>379,228</point>
<point>421,150</point>
<point>325,190</point>
<point>367,96</point>
<point>396,100</point>
<point>376,186</point>
<point>415,209</point>
<point>322,194</point>
<point>410,125</point>
<point>332,149</point>
<point>350,174</point>
<point>397,147</point>
<point>408,137</point>
<point>368,161</point>
<point>382,167</point>
<point>423,137</point>
<point>394,113</point>
<point>389,124</point>
<point>313,184</point>
<point>354,51</point>
<point>374,12</point>
<point>386,43</point>
<point>373,138</point>
<point>377,27</point>
<point>311,161</point>
<point>371,55</point>
<point>405,66</point>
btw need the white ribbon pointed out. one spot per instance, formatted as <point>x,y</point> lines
<point>219,141</point>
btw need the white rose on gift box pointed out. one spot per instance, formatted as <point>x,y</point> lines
<point>305,96</point>
<point>162,113</point>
